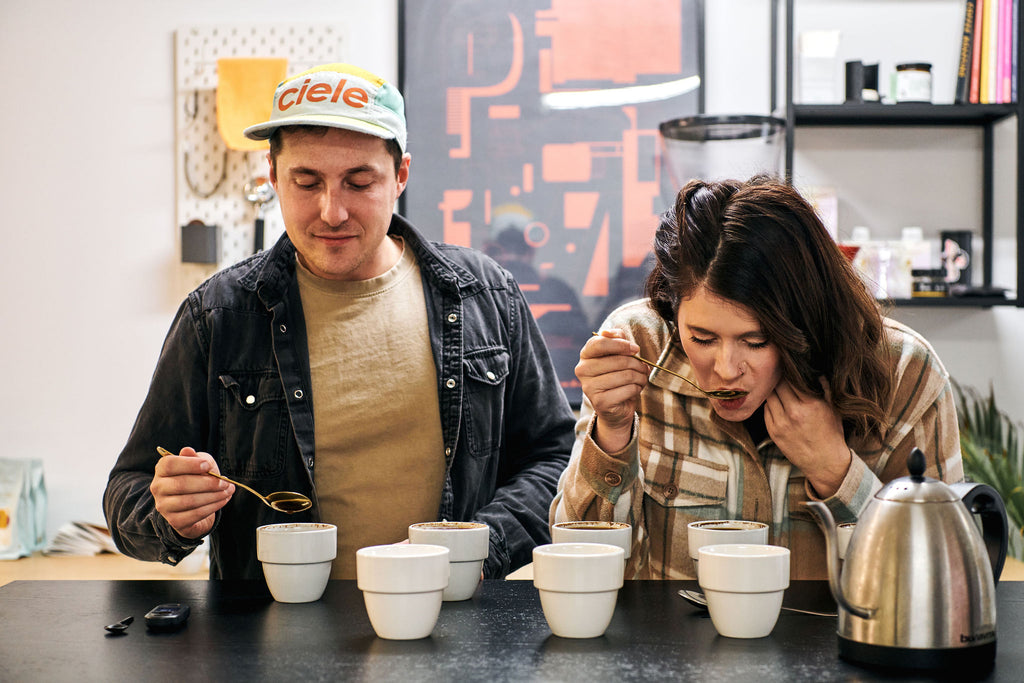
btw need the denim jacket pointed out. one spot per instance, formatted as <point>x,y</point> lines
<point>233,380</point>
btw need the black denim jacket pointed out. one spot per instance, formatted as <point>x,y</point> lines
<point>233,380</point>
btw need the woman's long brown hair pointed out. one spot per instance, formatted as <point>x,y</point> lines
<point>760,244</point>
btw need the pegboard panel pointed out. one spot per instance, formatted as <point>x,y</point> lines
<point>210,178</point>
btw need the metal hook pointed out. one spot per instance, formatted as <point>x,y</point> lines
<point>196,191</point>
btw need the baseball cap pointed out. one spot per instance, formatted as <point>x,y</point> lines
<point>337,96</point>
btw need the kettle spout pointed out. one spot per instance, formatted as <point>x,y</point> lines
<point>827,524</point>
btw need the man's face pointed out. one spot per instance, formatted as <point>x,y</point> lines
<point>338,192</point>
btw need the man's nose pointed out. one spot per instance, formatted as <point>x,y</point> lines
<point>332,208</point>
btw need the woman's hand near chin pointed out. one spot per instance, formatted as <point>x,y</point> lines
<point>809,432</point>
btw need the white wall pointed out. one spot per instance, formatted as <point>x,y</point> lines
<point>90,263</point>
<point>90,258</point>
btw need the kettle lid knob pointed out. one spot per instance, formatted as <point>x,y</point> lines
<point>916,463</point>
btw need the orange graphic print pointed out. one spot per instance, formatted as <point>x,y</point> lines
<point>534,126</point>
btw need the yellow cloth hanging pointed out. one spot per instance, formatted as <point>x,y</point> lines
<point>245,95</point>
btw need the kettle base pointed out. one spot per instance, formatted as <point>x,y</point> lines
<point>976,658</point>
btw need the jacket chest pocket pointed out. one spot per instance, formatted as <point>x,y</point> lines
<point>679,481</point>
<point>254,425</point>
<point>484,374</point>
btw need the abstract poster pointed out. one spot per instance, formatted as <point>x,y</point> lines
<point>533,129</point>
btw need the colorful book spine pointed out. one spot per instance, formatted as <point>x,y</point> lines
<point>1000,66</point>
<point>1014,49</point>
<point>975,82</point>
<point>989,56</point>
<point>1007,38</point>
<point>963,71</point>
<point>1003,84</point>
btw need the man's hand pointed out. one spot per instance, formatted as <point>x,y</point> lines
<point>185,496</point>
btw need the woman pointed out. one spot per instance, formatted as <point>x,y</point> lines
<point>750,293</point>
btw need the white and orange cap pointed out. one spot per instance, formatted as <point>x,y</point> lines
<point>337,96</point>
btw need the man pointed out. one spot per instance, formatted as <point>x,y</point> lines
<point>390,379</point>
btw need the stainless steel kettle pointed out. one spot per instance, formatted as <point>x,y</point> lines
<point>917,587</point>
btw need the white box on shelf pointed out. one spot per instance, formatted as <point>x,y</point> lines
<point>818,72</point>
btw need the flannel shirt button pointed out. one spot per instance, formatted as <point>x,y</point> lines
<point>613,478</point>
<point>671,491</point>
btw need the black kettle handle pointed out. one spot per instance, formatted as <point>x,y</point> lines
<point>985,501</point>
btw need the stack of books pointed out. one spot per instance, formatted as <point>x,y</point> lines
<point>81,538</point>
<point>987,70</point>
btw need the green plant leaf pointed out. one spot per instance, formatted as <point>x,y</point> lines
<point>991,448</point>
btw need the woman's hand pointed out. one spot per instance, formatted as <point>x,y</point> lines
<point>612,380</point>
<point>809,433</point>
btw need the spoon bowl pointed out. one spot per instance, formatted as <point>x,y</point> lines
<point>288,502</point>
<point>118,628</point>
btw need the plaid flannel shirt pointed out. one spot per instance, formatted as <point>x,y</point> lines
<point>684,463</point>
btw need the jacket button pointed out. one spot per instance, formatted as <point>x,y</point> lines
<point>490,375</point>
<point>448,451</point>
<point>298,393</point>
<point>450,384</point>
<point>671,491</point>
<point>612,478</point>
<point>250,399</point>
<point>283,328</point>
<point>452,317</point>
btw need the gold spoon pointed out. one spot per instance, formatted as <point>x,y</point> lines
<point>716,393</point>
<point>282,501</point>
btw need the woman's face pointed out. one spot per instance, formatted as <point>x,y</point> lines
<point>728,350</point>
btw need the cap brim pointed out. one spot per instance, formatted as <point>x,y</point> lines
<point>263,131</point>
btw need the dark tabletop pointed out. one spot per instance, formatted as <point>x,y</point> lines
<point>53,631</point>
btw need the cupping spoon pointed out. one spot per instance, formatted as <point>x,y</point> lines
<point>282,501</point>
<point>717,393</point>
<point>119,627</point>
<point>697,599</point>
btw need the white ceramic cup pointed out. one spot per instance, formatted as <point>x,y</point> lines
<point>612,533</point>
<point>843,533</point>
<point>744,585</point>
<point>297,559</point>
<point>402,586</point>
<point>720,531</point>
<point>468,544</point>
<point>578,585</point>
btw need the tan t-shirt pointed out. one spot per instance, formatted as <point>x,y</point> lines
<point>379,448</point>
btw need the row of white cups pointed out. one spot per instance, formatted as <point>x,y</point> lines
<point>578,575</point>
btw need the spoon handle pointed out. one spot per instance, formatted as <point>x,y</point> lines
<point>674,374</point>
<point>698,599</point>
<point>163,451</point>
<point>664,369</point>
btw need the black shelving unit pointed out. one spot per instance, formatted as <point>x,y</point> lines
<point>983,116</point>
